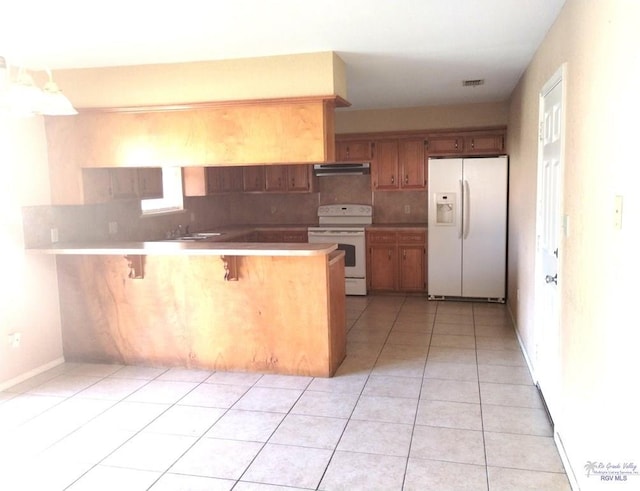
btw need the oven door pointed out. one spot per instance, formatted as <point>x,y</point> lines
<point>350,241</point>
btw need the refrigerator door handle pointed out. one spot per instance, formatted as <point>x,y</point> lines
<point>462,217</point>
<point>467,206</point>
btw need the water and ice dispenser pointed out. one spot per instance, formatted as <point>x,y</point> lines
<point>445,208</point>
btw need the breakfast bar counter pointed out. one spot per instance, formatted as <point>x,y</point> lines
<point>260,307</point>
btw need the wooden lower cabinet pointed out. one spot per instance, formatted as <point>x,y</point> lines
<point>396,260</point>
<point>279,235</point>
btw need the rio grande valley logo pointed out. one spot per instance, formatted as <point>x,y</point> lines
<point>611,471</point>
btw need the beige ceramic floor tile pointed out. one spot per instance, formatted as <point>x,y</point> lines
<point>501,357</point>
<point>453,341</point>
<point>510,395</point>
<point>394,367</point>
<point>453,328</point>
<point>509,419</point>
<point>452,355</point>
<point>501,479</point>
<point>234,378</point>
<point>211,457</point>
<point>185,375</point>
<point>145,373</point>
<point>150,451</point>
<point>335,405</point>
<point>255,426</point>
<point>448,444</point>
<point>289,466</point>
<point>268,399</point>
<point>185,420</point>
<point>525,452</point>
<point>162,392</point>
<point>104,478</point>
<point>449,414</point>
<point>497,343</point>
<point>450,390</point>
<point>173,482</point>
<point>113,388</point>
<point>387,409</point>
<point>352,470</point>
<point>380,385</point>
<point>214,395</point>
<point>376,437</point>
<point>501,374</point>
<point>444,476</point>
<point>451,371</point>
<point>309,431</point>
<point>284,381</point>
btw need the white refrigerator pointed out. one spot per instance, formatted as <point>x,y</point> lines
<point>467,243</point>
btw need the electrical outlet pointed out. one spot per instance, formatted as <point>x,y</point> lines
<point>54,235</point>
<point>407,209</point>
<point>113,228</point>
<point>14,339</point>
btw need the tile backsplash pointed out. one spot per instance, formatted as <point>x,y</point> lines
<point>91,222</point>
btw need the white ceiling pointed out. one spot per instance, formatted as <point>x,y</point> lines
<point>399,53</point>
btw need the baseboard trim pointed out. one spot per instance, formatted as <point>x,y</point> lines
<point>31,373</point>
<point>573,482</point>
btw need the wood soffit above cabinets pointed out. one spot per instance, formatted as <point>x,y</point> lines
<point>336,99</point>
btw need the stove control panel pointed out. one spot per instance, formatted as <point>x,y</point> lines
<point>345,210</point>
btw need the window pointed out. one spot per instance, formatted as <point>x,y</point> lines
<point>172,194</point>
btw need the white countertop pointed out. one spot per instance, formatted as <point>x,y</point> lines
<point>197,248</point>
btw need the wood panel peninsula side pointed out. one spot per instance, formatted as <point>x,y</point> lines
<point>269,308</point>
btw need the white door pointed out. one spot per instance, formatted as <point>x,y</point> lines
<point>484,244</point>
<point>548,369</point>
<point>445,228</point>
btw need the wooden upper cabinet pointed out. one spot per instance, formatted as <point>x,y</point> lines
<point>385,165</point>
<point>412,163</point>
<point>445,145</point>
<point>253,178</point>
<point>288,178</point>
<point>107,184</point>
<point>399,164</point>
<point>300,178</point>
<point>149,181</point>
<point>488,143</point>
<point>354,151</point>
<point>467,143</point>
<point>275,178</point>
<point>224,179</point>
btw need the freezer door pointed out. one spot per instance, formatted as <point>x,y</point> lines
<point>485,227</point>
<point>445,228</point>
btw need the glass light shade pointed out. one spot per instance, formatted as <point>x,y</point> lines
<point>54,102</point>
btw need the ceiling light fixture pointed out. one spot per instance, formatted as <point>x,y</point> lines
<point>23,98</point>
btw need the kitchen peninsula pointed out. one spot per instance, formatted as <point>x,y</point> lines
<point>262,307</point>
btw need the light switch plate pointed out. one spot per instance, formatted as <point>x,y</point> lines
<point>54,235</point>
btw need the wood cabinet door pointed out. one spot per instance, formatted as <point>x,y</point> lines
<point>385,165</point>
<point>124,183</point>
<point>275,178</point>
<point>150,183</point>
<point>232,179</point>
<point>354,151</point>
<point>445,145</point>
<point>299,178</point>
<point>382,267</point>
<point>411,271</point>
<point>253,178</point>
<point>484,144</point>
<point>412,164</point>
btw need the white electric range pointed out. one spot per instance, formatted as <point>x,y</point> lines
<point>345,225</point>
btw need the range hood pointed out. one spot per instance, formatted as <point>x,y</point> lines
<point>338,169</point>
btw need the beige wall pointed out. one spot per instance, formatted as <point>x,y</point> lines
<point>28,288</point>
<point>419,118</point>
<point>599,336</point>
<point>301,75</point>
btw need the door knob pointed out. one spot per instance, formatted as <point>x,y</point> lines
<point>551,279</point>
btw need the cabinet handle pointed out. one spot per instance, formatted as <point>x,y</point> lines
<point>347,151</point>
<point>389,253</point>
<point>473,144</point>
<point>456,144</point>
<point>426,144</point>
<point>404,254</point>
<point>393,179</point>
<point>406,179</point>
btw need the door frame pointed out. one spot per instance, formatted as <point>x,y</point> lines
<point>559,77</point>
